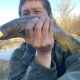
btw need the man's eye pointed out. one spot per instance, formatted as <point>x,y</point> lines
<point>37,11</point>
<point>25,14</point>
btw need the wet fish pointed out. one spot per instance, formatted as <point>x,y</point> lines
<point>16,28</point>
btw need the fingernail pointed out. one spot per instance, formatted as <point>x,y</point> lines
<point>43,17</point>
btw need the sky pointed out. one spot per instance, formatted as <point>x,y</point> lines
<point>9,9</point>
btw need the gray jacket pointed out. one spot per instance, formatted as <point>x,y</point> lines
<point>64,66</point>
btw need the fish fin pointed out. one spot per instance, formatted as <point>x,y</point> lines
<point>25,39</point>
<point>64,47</point>
<point>75,49</point>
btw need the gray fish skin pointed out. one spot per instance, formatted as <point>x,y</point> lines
<point>16,28</point>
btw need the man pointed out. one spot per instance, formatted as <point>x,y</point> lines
<point>41,58</point>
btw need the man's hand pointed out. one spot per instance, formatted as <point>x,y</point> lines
<point>39,34</point>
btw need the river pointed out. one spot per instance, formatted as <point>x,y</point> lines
<point>7,50</point>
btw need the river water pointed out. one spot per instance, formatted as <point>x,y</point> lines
<point>7,50</point>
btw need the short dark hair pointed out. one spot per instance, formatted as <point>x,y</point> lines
<point>45,3</point>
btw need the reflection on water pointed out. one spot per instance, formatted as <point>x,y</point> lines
<point>6,51</point>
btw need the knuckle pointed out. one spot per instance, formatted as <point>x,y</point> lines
<point>45,28</point>
<point>33,21</point>
<point>37,27</point>
<point>46,24</point>
<point>42,18</point>
<point>36,45</point>
<point>43,44</point>
<point>49,43</point>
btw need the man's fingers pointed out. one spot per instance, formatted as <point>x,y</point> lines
<point>45,27</point>
<point>51,27</point>
<point>45,30</point>
<point>29,30</point>
<point>37,31</point>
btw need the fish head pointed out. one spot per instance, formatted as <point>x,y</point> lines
<point>8,30</point>
<point>15,28</point>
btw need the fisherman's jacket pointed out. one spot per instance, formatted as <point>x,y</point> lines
<point>24,66</point>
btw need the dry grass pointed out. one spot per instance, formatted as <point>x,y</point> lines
<point>4,69</point>
<point>71,24</point>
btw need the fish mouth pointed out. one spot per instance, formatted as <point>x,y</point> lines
<point>1,34</point>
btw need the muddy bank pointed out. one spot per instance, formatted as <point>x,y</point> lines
<point>4,69</point>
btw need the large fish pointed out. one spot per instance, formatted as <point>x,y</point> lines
<point>16,28</point>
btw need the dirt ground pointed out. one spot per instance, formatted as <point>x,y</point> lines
<point>4,69</point>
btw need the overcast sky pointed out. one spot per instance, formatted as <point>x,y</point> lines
<point>9,9</point>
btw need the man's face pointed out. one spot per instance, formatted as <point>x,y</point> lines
<point>33,8</point>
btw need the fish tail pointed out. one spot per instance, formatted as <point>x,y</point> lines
<point>75,49</point>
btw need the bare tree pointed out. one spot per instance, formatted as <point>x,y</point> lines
<point>70,23</point>
<point>64,7</point>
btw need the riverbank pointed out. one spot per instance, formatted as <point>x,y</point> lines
<point>4,64</point>
<point>4,69</point>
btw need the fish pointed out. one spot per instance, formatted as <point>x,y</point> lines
<point>16,28</point>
